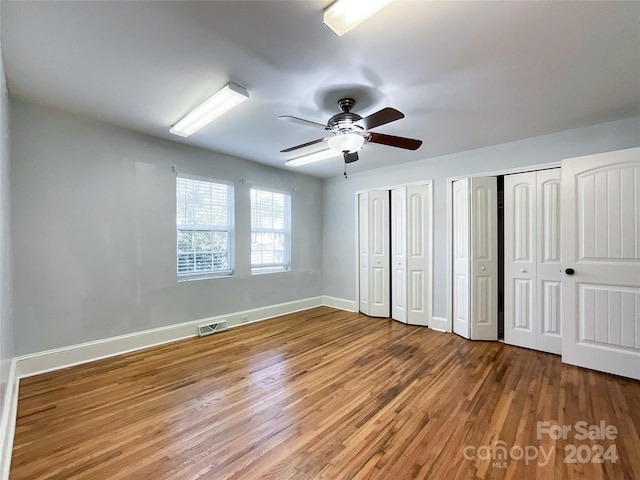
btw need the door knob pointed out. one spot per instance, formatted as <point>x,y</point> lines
<point>483,268</point>
<point>569,271</point>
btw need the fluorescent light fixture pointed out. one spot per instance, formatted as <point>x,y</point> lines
<point>312,157</point>
<point>225,99</point>
<point>346,142</point>
<point>343,15</point>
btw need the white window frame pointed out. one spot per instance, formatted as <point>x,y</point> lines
<point>229,229</point>
<point>264,268</point>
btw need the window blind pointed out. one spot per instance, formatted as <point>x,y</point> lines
<point>204,213</point>
<point>270,231</point>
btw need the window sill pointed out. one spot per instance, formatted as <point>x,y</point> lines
<point>204,276</point>
<point>267,272</point>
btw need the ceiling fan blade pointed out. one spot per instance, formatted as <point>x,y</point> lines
<point>393,141</point>
<point>302,121</point>
<point>350,157</point>
<point>381,117</point>
<point>313,142</point>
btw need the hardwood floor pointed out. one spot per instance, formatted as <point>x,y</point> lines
<point>323,394</point>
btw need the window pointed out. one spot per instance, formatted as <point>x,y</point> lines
<point>270,231</point>
<point>204,213</point>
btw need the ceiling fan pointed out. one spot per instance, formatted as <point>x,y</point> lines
<point>349,131</point>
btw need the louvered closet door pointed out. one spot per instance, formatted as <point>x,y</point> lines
<point>374,252</point>
<point>601,243</point>
<point>532,269</point>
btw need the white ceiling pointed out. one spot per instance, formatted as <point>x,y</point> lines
<point>465,74</point>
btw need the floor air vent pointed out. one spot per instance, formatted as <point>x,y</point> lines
<point>209,328</point>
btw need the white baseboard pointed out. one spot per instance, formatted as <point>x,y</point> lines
<point>340,303</point>
<point>41,362</point>
<point>8,421</point>
<point>440,324</point>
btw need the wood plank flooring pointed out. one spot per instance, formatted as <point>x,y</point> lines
<point>323,394</point>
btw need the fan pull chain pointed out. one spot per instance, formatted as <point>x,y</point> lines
<point>345,170</point>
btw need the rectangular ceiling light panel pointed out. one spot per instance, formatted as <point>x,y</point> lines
<point>343,15</point>
<point>223,100</point>
<point>311,158</point>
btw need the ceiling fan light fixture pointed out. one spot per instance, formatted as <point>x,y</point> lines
<point>343,15</point>
<point>311,158</point>
<point>346,142</point>
<point>219,103</point>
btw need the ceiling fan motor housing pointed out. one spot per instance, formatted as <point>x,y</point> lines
<point>344,122</point>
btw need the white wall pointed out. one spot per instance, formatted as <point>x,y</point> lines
<point>6,320</point>
<point>339,194</point>
<point>93,215</point>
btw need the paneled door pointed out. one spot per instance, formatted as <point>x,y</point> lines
<point>601,260</point>
<point>532,269</point>
<point>399,254</point>
<point>484,258</point>
<point>461,257</point>
<point>548,264</point>
<point>373,233</point>
<point>475,262</point>
<point>411,254</point>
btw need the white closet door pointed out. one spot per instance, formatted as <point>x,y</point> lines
<point>374,246</point>
<point>519,259</point>
<point>601,243</point>
<point>399,254</point>
<point>548,267</point>
<point>532,270</point>
<point>363,250</point>
<point>484,258</point>
<point>461,257</point>
<point>418,248</point>
<point>411,254</point>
